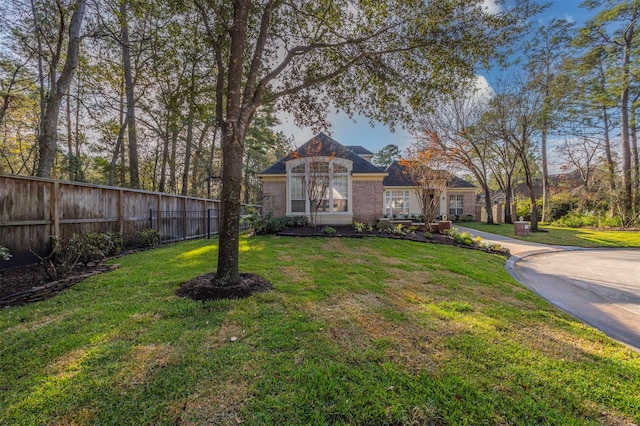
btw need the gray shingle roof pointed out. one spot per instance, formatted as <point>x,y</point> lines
<point>323,145</point>
<point>360,150</point>
<point>397,177</point>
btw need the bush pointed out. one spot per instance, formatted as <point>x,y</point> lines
<point>329,230</point>
<point>359,227</point>
<point>92,247</point>
<point>4,253</point>
<point>146,238</point>
<point>578,220</point>
<point>297,221</point>
<point>561,204</point>
<point>459,237</point>
<point>268,224</point>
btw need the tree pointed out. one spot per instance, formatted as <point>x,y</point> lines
<point>453,128</point>
<point>514,113</point>
<point>581,153</point>
<point>386,155</point>
<point>428,169</point>
<point>263,147</point>
<point>363,57</point>
<point>59,83</point>
<point>547,56</point>
<point>615,26</point>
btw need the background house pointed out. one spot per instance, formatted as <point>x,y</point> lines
<point>352,188</point>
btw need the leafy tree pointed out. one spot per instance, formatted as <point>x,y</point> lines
<point>364,57</point>
<point>386,155</point>
<point>614,27</point>
<point>548,56</point>
<point>263,148</point>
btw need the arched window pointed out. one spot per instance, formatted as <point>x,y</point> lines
<point>319,184</point>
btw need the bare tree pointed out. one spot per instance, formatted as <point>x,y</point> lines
<point>454,127</point>
<point>429,170</point>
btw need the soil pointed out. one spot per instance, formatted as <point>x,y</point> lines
<point>201,288</point>
<point>23,278</point>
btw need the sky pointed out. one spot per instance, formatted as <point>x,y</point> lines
<point>374,138</point>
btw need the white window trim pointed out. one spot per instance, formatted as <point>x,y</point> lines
<point>347,164</point>
<point>406,196</point>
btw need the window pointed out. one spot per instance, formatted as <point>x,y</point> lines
<point>456,205</point>
<point>298,189</point>
<point>396,203</point>
<point>325,182</point>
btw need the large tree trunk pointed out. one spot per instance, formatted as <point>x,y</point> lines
<point>129,89</point>
<point>545,172</point>
<point>487,203</point>
<point>634,150</point>
<point>49,138</point>
<point>508,200</point>
<point>228,262</point>
<point>234,130</point>
<point>624,123</point>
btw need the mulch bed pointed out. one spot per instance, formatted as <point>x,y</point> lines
<point>201,288</point>
<point>27,284</point>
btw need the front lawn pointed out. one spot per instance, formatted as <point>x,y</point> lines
<point>579,237</point>
<point>357,331</point>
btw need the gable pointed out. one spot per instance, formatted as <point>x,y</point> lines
<point>322,145</point>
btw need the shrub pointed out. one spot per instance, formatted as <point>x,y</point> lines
<point>146,238</point>
<point>561,204</point>
<point>297,221</point>
<point>578,220</point>
<point>459,237</point>
<point>268,224</point>
<point>4,253</point>
<point>359,227</point>
<point>328,230</point>
<point>98,245</point>
<point>398,229</point>
<point>65,255</point>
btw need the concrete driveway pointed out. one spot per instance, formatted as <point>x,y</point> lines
<point>600,287</point>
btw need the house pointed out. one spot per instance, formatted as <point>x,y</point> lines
<point>349,188</point>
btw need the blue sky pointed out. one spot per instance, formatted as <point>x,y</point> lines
<point>360,132</point>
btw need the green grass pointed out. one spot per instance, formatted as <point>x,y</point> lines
<point>579,237</point>
<point>356,331</point>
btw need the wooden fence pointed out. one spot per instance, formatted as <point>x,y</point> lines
<point>34,209</point>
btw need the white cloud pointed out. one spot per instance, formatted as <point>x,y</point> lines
<point>492,6</point>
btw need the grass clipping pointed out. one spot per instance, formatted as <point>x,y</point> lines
<point>202,287</point>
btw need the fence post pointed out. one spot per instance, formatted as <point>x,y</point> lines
<point>208,224</point>
<point>151,219</point>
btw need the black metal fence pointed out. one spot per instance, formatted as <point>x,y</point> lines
<point>187,225</point>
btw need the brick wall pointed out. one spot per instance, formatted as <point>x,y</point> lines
<point>367,200</point>
<point>274,197</point>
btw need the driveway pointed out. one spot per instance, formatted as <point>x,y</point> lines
<point>600,287</point>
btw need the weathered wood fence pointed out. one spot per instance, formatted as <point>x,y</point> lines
<point>34,209</point>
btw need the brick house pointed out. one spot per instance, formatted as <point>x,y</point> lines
<point>352,188</point>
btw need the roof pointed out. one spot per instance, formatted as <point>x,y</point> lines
<point>360,150</point>
<point>323,145</point>
<point>398,177</point>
